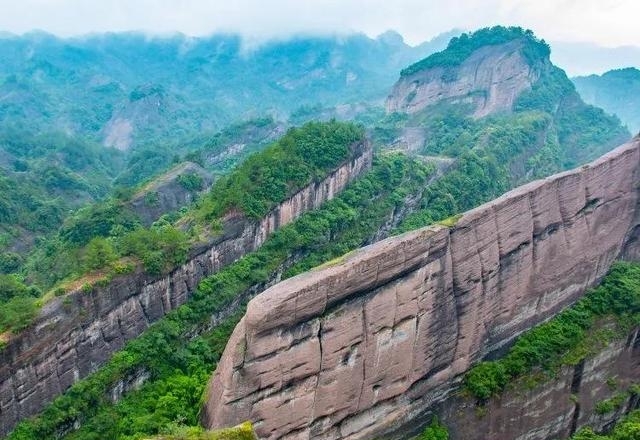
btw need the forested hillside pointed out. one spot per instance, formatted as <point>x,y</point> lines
<point>128,90</point>
<point>616,91</point>
<point>547,129</point>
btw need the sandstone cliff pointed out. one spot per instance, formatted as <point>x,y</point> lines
<point>555,408</point>
<point>76,334</point>
<point>356,350</point>
<point>489,80</point>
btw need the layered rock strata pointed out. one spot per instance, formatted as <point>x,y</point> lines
<point>489,80</point>
<point>76,334</point>
<point>556,408</point>
<point>356,350</point>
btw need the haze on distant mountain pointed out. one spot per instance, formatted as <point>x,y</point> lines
<point>616,91</point>
<point>607,23</point>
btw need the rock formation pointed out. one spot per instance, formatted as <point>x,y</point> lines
<point>166,193</point>
<point>555,408</point>
<point>355,350</point>
<point>490,80</point>
<point>76,334</point>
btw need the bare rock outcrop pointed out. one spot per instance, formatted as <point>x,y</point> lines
<point>490,80</point>
<point>75,335</point>
<point>355,350</point>
<point>555,408</point>
<point>170,192</point>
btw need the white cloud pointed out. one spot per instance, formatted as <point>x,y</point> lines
<point>605,22</point>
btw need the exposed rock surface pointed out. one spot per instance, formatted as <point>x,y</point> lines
<point>167,193</point>
<point>490,80</point>
<point>556,408</point>
<point>355,350</point>
<point>75,335</point>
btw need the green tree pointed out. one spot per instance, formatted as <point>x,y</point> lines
<point>99,253</point>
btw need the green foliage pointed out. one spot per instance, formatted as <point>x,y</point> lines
<point>240,432</point>
<point>96,221</point>
<point>191,181</point>
<point>99,253</point>
<point>547,345</point>
<point>180,364</point>
<point>160,248</point>
<point>268,177</point>
<point>460,48</point>
<point>10,262</point>
<point>626,429</point>
<point>616,92</point>
<point>435,431</point>
<point>17,313</point>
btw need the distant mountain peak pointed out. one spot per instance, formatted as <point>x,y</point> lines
<point>462,47</point>
<point>391,37</point>
<point>487,69</point>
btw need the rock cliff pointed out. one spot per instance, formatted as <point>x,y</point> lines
<point>170,192</point>
<point>555,408</point>
<point>490,80</point>
<point>76,334</point>
<point>355,350</point>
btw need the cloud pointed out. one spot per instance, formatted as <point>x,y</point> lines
<point>605,22</point>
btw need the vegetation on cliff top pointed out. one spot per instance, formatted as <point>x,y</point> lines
<point>240,432</point>
<point>626,429</point>
<point>179,364</point>
<point>460,48</point>
<point>563,340</point>
<point>96,239</point>
<point>266,178</point>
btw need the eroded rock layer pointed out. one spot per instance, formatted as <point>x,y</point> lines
<point>355,350</point>
<point>489,80</point>
<point>555,408</point>
<point>76,334</point>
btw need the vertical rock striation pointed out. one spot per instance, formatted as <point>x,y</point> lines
<point>489,80</point>
<point>555,408</point>
<point>355,350</point>
<point>75,335</point>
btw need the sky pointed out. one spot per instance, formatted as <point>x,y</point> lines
<point>608,23</point>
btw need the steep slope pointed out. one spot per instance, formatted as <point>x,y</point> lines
<point>488,69</point>
<point>121,300</point>
<point>483,161</point>
<point>353,350</point>
<point>455,101</point>
<point>616,91</point>
<point>43,177</point>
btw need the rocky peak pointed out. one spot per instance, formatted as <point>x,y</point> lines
<point>487,69</point>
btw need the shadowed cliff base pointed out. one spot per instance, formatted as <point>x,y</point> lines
<point>354,350</point>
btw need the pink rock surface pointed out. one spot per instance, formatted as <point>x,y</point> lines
<point>76,335</point>
<point>352,350</point>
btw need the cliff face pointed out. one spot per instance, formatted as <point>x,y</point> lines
<point>355,350</point>
<point>167,194</point>
<point>555,408</point>
<point>490,80</point>
<point>75,335</point>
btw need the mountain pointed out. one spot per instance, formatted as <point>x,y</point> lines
<point>616,91</point>
<point>587,58</point>
<point>125,90</point>
<point>134,319</point>
<point>494,86</point>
